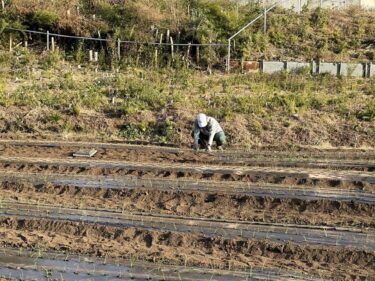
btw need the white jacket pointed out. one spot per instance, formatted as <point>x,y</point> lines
<point>213,127</point>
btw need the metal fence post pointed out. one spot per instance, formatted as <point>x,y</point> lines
<point>265,20</point>
<point>228,58</point>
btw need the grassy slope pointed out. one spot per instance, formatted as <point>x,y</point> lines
<point>43,93</point>
<point>39,96</point>
<point>328,35</point>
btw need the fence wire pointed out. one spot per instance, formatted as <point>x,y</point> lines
<point>106,50</point>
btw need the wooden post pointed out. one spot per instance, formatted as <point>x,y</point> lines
<point>198,56</point>
<point>96,56</point>
<point>10,42</point>
<point>47,40</point>
<point>90,55</point>
<point>53,43</point>
<point>119,49</point>
<point>178,41</point>
<point>161,38</point>
<point>188,55</point>
<point>188,51</point>
<point>3,4</point>
<point>168,34</point>
<point>172,48</point>
<point>26,44</point>
<point>156,55</point>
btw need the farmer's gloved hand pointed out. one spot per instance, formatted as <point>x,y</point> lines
<point>208,148</point>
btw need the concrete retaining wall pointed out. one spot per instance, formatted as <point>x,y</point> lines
<point>296,66</point>
<point>371,70</point>
<point>370,4</point>
<point>272,66</point>
<point>296,5</point>
<point>335,69</point>
<point>351,69</point>
<point>329,68</point>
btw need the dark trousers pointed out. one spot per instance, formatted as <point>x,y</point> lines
<point>219,138</point>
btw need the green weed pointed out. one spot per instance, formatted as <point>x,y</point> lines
<point>55,117</point>
<point>368,113</point>
<point>133,131</point>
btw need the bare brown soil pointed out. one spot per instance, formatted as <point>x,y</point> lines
<point>185,249</point>
<point>156,172</point>
<point>167,155</point>
<point>199,204</point>
<point>178,247</point>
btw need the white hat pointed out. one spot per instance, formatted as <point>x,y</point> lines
<point>202,120</point>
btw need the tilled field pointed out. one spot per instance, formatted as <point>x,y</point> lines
<point>254,215</point>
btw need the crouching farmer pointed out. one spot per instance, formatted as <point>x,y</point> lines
<point>206,130</point>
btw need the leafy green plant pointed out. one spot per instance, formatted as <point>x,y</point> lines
<point>50,59</point>
<point>166,131</point>
<point>55,117</point>
<point>67,81</point>
<point>76,109</point>
<point>68,126</point>
<point>368,113</point>
<point>133,131</point>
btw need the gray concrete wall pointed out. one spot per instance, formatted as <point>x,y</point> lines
<point>368,3</point>
<point>272,66</point>
<point>330,68</point>
<point>333,4</point>
<point>335,69</point>
<point>351,69</point>
<point>296,66</point>
<point>371,70</point>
